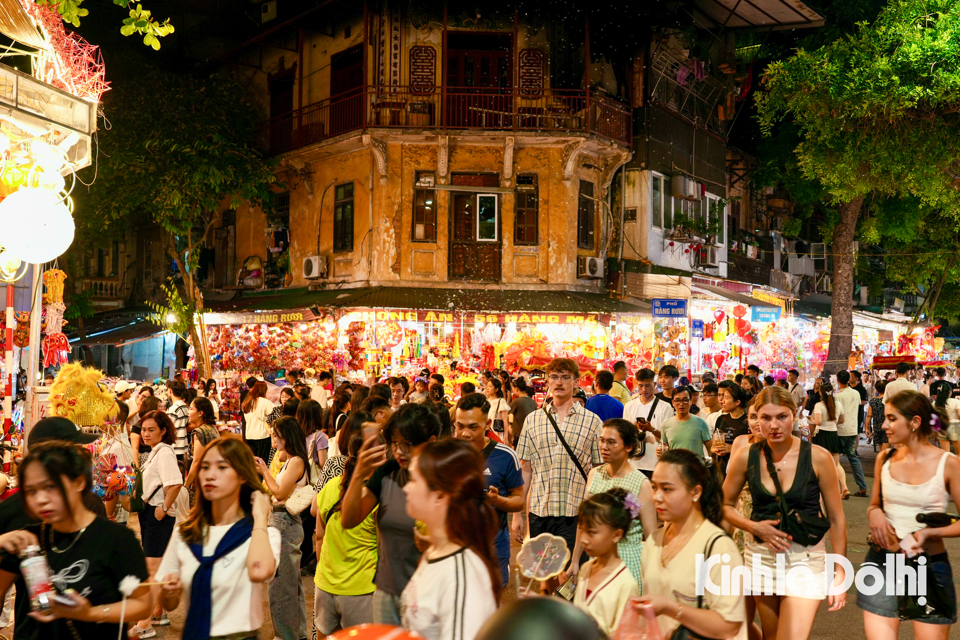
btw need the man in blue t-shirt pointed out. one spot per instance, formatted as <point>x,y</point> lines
<point>501,470</point>
<point>602,403</point>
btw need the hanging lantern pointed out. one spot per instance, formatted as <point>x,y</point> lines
<point>37,225</point>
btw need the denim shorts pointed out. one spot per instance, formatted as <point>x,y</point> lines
<point>885,605</point>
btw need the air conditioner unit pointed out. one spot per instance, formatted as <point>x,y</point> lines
<point>588,267</point>
<point>315,267</point>
<point>268,11</point>
<point>709,257</point>
<point>678,186</point>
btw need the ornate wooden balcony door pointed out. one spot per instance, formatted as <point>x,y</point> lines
<point>475,245</point>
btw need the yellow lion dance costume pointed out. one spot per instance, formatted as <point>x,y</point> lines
<point>76,394</point>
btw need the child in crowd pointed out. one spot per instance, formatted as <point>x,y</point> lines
<point>605,584</point>
<point>419,394</point>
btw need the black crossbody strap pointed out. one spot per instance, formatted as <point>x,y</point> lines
<point>565,445</point>
<point>772,470</point>
<point>713,541</point>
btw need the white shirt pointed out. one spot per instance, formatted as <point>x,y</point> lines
<point>319,394</point>
<point>799,394</point>
<point>896,386</point>
<point>257,428</point>
<point>825,423</point>
<point>161,469</point>
<point>637,408</point>
<point>448,598</point>
<point>849,399</point>
<point>497,405</point>
<point>237,602</point>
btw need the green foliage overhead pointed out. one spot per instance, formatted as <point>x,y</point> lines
<point>176,150</point>
<point>877,111</point>
<point>178,315</point>
<point>140,20</point>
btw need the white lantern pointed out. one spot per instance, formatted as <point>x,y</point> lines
<point>37,225</point>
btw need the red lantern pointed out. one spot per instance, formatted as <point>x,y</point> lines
<point>739,311</point>
<point>718,359</point>
<point>718,315</point>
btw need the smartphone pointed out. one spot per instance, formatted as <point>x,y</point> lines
<point>567,589</point>
<point>64,600</point>
<point>369,431</point>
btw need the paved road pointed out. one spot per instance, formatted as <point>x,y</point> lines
<point>847,623</point>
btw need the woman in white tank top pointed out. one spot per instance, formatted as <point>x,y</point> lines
<point>904,488</point>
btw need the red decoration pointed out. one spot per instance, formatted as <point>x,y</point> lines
<point>719,315</point>
<point>389,334</point>
<point>719,359</point>
<point>739,311</point>
<point>744,329</point>
<point>374,632</point>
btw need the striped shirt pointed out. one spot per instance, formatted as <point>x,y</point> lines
<point>448,598</point>
<point>178,412</point>
<point>557,487</point>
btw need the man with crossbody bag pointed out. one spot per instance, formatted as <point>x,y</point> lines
<point>559,444</point>
<point>649,413</point>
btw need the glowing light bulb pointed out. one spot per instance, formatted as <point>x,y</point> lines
<point>37,225</point>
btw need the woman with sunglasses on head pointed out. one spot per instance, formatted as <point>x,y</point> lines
<point>88,556</point>
<point>805,476</point>
<point>224,551</point>
<point>378,483</point>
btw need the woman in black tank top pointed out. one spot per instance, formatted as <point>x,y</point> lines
<point>806,474</point>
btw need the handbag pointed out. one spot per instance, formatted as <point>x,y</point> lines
<point>939,602</point>
<point>682,633</point>
<point>566,446</point>
<point>804,529</point>
<point>134,502</point>
<point>498,425</point>
<point>300,499</point>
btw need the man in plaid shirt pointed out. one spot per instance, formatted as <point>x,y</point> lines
<point>180,415</point>
<point>555,484</point>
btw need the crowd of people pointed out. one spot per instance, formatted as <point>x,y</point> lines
<point>402,504</point>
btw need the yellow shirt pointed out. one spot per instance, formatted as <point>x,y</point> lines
<point>348,558</point>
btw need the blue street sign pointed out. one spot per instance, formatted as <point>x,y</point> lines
<point>697,329</point>
<point>669,308</point>
<point>765,314</point>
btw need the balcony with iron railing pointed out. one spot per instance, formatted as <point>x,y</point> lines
<point>559,111</point>
<point>105,292</point>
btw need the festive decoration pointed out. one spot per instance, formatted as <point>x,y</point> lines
<point>389,334</point>
<point>56,348</point>
<point>21,335</point>
<point>37,224</point>
<point>739,311</point>
<point>53,280</point>
<point>76,395</point>
<point>374,632</point>
<point>543,557</point>
<point>110,479</point>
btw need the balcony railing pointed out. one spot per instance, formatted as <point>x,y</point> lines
<point>110,288</point>
<point>557,110</point>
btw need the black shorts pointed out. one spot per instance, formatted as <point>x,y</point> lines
<point>562,526</point>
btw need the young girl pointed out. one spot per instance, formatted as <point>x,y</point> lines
<point>912,478</point>
<point>88,556</point>
<point>419,393</point>
<point>288,599</point>
<point>228,523</point>
<point>605,584</point>
<point>456,586</point>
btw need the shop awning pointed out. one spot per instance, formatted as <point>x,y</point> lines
<point>420,298</point>
<point>493,300</point>
<point>726,294</point>
<point>131,332</point>
<point>811,306</point>
<point>759,14</point>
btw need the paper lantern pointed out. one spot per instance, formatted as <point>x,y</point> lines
<point>37,226</point>
<point>739,311</point>
<point>719,359</point>
<point>719,337</point>
<point>718,315</point>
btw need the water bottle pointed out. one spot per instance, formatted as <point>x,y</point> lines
<point>36,574</point>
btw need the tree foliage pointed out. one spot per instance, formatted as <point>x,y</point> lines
<point>877,115</point>
<point>139,20</point>
<point>177,150</point>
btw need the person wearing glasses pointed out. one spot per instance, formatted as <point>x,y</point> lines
<point>377,483</point>
<point>685,430</point>
<point>555,478</point>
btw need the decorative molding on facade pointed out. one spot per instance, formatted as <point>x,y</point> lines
<point>443,159</point>
<point>571,158</point>
<point>508,144</point>
<point>609,167</point>
<point>379,150</point>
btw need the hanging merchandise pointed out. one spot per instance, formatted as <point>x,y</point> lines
<point>21,335</point>
<point>56,347</point>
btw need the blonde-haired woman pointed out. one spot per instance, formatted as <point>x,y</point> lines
<point>225,551</point>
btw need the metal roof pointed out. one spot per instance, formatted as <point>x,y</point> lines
<point>17,25</point>
<point>760,14</point>
<point>733,296</point>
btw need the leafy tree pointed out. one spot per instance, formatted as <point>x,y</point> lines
<point>139,20</point>
<point>877,113</point>
<point>179,150</point>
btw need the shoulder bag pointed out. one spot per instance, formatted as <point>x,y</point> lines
<point>498,425</point>
<point>565,445</point>
<point>643,435</point>
<point>682,633</point>
<point>301,498</point>
<point>805,530</point>
<point>136,501</point>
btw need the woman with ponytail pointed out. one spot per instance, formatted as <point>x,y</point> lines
<point>456,586</point>
<point>826,415</point>
<point>224,551</point>
<point>605,584</point>
<point>346,558</point>
<point>949,407</point>
<point>806,476</point>
<point>687,495</point>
